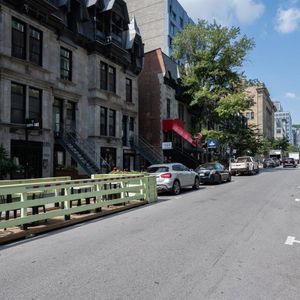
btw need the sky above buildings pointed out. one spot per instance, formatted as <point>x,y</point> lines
<point>275,27</point>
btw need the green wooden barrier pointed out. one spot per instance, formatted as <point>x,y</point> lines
<point>34,180</point>
<point>133,187</point>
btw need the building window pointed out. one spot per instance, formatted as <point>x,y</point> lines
<point>170,42</point>
<point>112,122</point>
<point>174,15</point>
<point>18,103</point>
<point>35,104</point>
<point>35,46</point>
<point>18,46</point>
<point>65,64</point>
<point>131,124</point>
<point>117,27</point>
<point>103,121</point>
<point>172,28</point>
<point>103,76</point>
<point>181,23</point>
<point>181,111</point>
<point>111,79</point>
<point>128,90</point>
<point>250,115</point>
<point>168,108</point>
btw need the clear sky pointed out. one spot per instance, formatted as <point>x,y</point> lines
<point>275,27</point>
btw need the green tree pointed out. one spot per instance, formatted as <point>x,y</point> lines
<point>213,79</point>
<point>282,144</point>
<point>265,145</point>
<point>6,165</point>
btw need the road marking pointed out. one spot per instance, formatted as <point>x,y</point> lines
<point>297,200</point>
<point>290,240</point>
<point>178,197</point>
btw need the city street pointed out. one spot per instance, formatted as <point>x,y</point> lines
<point>227,241</point>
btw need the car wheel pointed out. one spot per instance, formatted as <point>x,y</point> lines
<point>257,171</point>
<point>229,178</point>
<point>176,188</point>
<point>196,183</point>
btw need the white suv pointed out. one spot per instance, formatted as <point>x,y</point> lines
<point>172,177</point>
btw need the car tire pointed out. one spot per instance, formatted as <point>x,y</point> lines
<point>196,183</point>
<point>176,188</point>
<point>229,178</point>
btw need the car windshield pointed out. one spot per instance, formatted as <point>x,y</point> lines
<point>158,169</point>
<point>243,159</point>
<point>207,167</point>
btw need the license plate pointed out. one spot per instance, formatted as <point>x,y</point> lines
<point>202,175</point>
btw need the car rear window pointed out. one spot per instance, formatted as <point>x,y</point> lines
<point>158,169</point>
<point>243,159</point>
<point>206,167</point>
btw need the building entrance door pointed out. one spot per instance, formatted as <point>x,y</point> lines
<point>30,154</point>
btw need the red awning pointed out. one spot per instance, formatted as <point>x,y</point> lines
<point>177,126</point>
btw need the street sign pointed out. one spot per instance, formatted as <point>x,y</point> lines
<point>167,146</point>
<point>212,144</point>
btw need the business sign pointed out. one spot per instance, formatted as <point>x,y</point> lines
<point>32,124</point>
<point>167,146</point>
<point>212,144</point>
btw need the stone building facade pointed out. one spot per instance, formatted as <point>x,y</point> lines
<point>71,66</point>
<point>261,115</point>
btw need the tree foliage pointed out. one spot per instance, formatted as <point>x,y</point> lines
<point>213,80</point>
<point>6,165</point>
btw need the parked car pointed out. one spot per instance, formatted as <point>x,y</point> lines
<point>213,173</point>
<point>174,176</point>
<point>277,161</point>
<point>289,162</point>
<point>269,163</point>
<point>244,165</point>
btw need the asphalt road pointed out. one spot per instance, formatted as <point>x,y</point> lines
<point>220,242</point>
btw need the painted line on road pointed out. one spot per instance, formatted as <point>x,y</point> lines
<point>178,197</point>
<point>297,200</point>
<point>290,240</point>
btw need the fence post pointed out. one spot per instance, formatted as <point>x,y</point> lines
<point>67,203</point>
<point>23,209</point>
<point>151,189</point>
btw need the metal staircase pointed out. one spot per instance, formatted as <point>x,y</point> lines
<point>83,152</point>
<point>148,151</point>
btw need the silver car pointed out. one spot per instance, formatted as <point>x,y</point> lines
<point>172,177</point>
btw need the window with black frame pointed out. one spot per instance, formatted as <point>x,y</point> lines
<point>35,104</point>
<point>18,45</point>
<point>111,79</point>
<point>103,121</point>
<point>35,46</point>
<point>128,90</point>
<point>18,103</point>
<point>65,64</point>
<point>112,122</point>
<point>103,76</point>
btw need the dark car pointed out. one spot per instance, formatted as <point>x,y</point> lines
<point>289,162</point>
<point>277,161</point>
<point>269,163</point>
<point>213,173</point>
